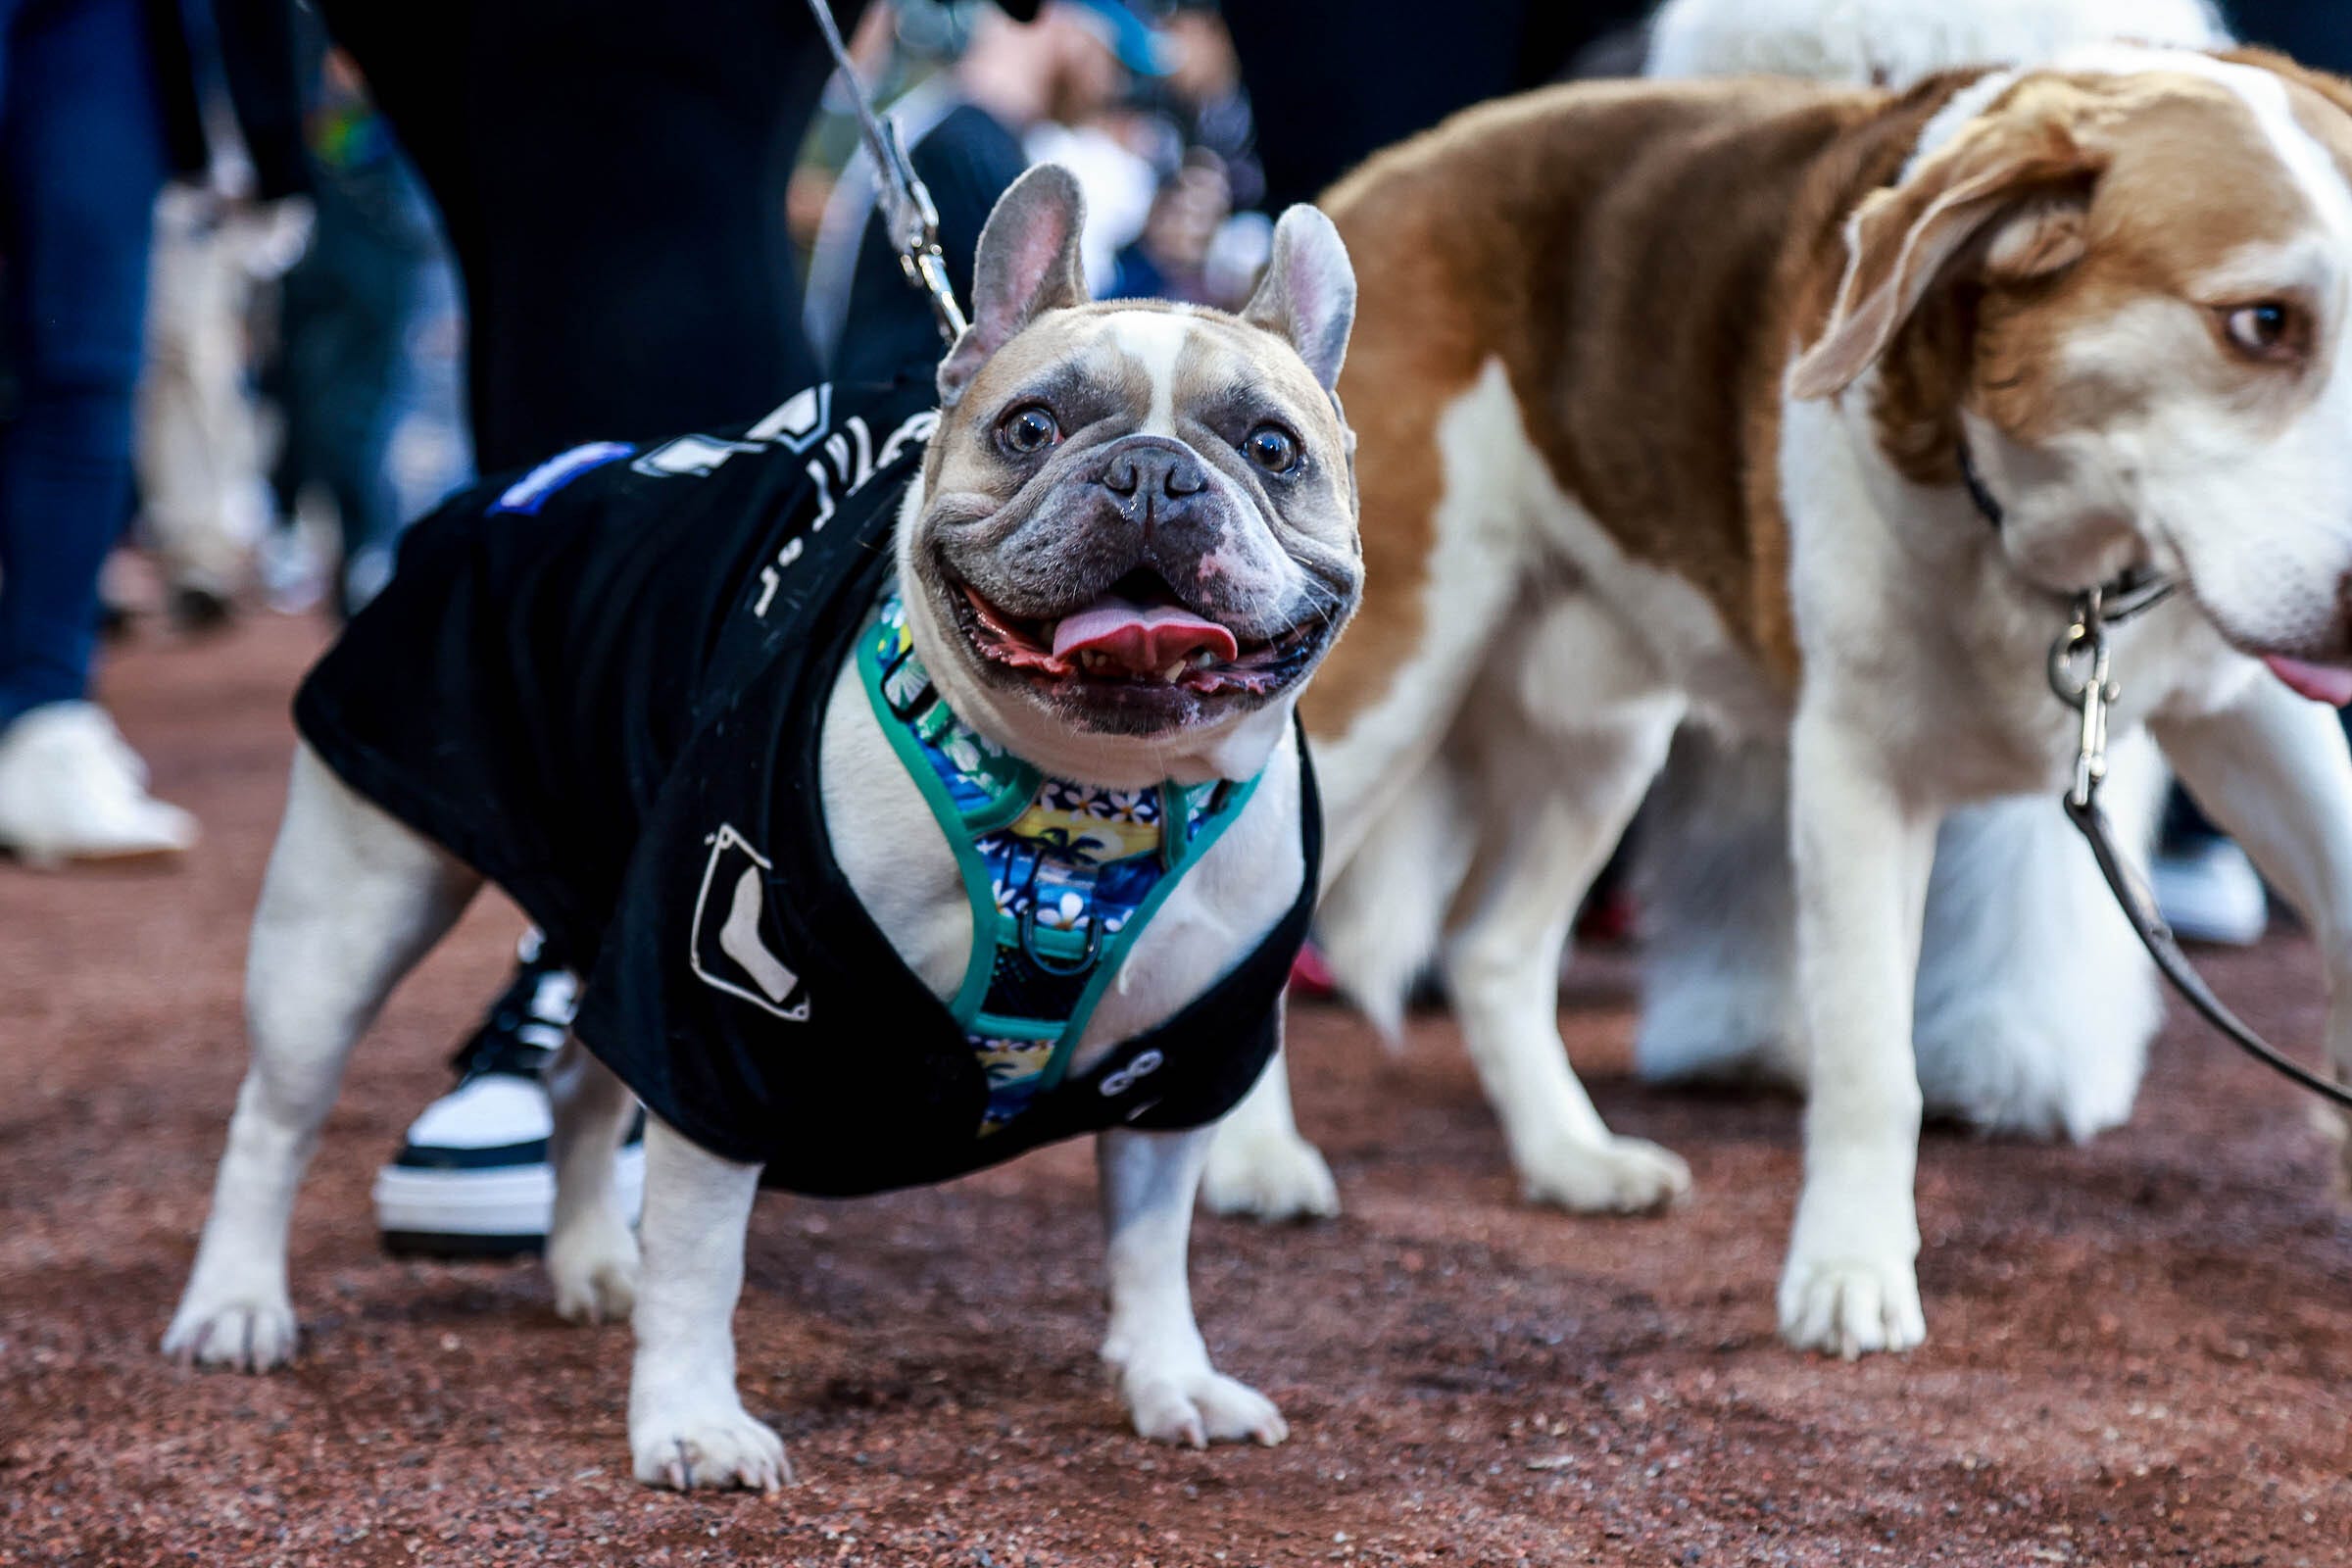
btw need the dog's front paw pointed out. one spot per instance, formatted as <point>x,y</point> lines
<point>245,1331</point>
<point>1850,1305</point>
<point>1617,1176</point>
<point>1196,1406</point>
<point>1268,1178</point>
<point>593,1267</point>
<point>712,1448</point>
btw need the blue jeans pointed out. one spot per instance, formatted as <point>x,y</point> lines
<point>81,157</point>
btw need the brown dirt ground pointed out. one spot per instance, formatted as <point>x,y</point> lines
<point>2142,1350</point>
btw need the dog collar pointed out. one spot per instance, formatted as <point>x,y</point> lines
<point>1062,876</point>
<point>1987,505</point>
<point>2122,597</point>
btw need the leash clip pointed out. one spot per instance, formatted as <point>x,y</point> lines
<point>2080,676</point>
<point>906,207</point>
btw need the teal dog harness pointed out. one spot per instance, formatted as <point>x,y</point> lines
<point>1062,877</point>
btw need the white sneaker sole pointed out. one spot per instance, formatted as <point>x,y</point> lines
<point>491,1212</point>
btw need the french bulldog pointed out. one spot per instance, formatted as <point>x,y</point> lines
<point>1130,542</point>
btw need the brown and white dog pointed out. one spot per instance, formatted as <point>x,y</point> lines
<point>1663,391</point>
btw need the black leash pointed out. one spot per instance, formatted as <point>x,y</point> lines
<point>2082,677</point>
<point>2085,643</point>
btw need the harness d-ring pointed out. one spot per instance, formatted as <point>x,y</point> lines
<point>1064,967</point>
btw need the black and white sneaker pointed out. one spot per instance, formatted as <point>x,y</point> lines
<point>472,1179</point>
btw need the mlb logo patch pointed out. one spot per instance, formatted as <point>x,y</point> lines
<point>797,422</point>
<point>731,949</point>
<point>694,455</point>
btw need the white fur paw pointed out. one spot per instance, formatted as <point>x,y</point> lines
<point>1269,1179</point>
<point>710,1450</point>
<point>1620,1176</point>
<point>1850,1306</point>
<point>1195,1408</point>
<point>2007,1068</point>
<point>247,1332</point>
<point>593,1267</point>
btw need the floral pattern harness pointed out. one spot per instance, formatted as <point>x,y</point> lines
<point>1062,876</point>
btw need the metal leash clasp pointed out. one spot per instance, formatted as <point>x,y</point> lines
<point>914,221</point>
<point>906,207</point>
<point>2082,677</point>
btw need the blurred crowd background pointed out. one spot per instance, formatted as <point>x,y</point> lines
<point>278,276</point>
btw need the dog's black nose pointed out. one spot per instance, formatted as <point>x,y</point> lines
<point>1152,473</point>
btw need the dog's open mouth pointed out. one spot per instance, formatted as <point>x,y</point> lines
<point>1136,634</point>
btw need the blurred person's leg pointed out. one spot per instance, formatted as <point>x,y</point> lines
<point>351,307</point>
<point>345,316</point>
<point>81,158</point>
<point>196,449</point>
<point>639,276</point>
<point>613,193</point>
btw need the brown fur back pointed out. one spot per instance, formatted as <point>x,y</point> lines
<point>1640,256</point>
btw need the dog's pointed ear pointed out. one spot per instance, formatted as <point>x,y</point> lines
<point>1308,297</point>
<point>1028,263</point>
<point>2008,200</point>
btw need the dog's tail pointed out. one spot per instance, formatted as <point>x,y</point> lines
<point>1896,43</point>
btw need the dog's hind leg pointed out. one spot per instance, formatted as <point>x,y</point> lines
<point>1555,784</point>
<point>591,1247</point>
<point>1261,1165</point>
<point>351,900</point>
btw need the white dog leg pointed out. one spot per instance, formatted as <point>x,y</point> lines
<point>351,900</point>
<point>2275,773</point>
<point>1258,1162</point>
<point>591,1251</point>
<point>1551,822</point>
<point>687,1424</point>
<point>2036,1001</point>
<point>1863,854</point>
<point>1154,1347</point>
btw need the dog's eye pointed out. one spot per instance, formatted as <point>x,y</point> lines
<point>1029,428</point>
<point>2264,332</point>
<point>1272,448</point>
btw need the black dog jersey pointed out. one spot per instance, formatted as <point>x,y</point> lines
<point>602,685</point>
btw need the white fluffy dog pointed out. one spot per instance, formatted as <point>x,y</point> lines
<point>1895,42</point>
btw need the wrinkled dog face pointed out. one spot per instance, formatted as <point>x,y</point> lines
<point>1136,537</point>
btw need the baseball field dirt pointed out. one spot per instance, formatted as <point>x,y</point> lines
<point>2140,1350</point>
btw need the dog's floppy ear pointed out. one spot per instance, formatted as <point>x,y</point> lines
<point>2009,198</point>
<point>1028,264</point>
<point>1308,297</point>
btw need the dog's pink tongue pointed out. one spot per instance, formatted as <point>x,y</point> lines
<point>1143,637</point>
<point>2322,683</point>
